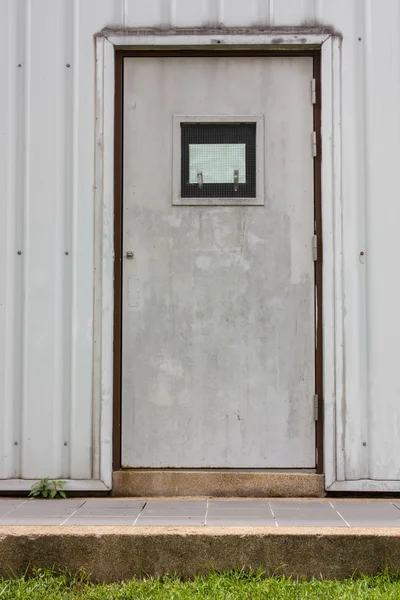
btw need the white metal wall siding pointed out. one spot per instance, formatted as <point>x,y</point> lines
<point>46,210</point>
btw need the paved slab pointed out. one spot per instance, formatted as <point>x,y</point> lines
<point>369,514</point>
<point>301,514</point>
<point>201,513</point>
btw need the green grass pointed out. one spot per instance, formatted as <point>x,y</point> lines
<point>45,585</point>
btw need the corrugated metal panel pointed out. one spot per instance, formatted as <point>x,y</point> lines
<point>47,316</point>
<point>46,204</point>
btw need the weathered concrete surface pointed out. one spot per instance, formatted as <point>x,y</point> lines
<point>228,484</point>
<point>116,553</point>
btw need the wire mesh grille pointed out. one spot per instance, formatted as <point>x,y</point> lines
<point>218,160</point>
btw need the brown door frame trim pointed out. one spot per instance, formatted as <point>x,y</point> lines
<point>118,228</point>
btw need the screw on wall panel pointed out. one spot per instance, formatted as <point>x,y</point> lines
<point>20,65</point>
<point>359,39</point>
<point>65,443</point>
<point>19,252</point>
<point>361,253</point>
<point>364,443</point>
<point>68,65</point>
<point>66,254</point>
<point>15,443</point>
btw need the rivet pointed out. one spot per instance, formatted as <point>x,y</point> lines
<point>65,443</point>
<point>20,65</point>
<point>66,254</point>
<point>364,443</point>
<point>359,39</point>
<point>361,253</point>
<point>19,252</point>
<point>68,65</point>
<point>15,443</point>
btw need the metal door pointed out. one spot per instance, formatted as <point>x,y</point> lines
<point>218,294</point>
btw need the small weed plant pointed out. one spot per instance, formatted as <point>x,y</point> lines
<point>48,489</point>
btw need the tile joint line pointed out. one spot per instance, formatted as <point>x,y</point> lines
<point>73,513</point>
<point>341,516</point>
<point>272,512</point>
<point>206,515</point>
<point>140,512</point>
<point>14,508</point>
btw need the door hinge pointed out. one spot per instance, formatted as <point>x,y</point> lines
<point>315,248</point>
<point>315,407</point>
<point>313,91</point>
<point>314,144</point>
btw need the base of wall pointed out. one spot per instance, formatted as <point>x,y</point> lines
<point>70,485</point>
<point>231,484</point>
<point>367,486</point>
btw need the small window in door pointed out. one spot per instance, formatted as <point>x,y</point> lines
<point>219,161</point>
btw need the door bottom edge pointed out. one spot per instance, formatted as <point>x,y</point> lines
<point>218,469</point>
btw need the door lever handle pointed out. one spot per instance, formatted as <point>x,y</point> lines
<point>129,255</point>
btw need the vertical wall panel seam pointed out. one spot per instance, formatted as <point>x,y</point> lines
<point>74,397</point>
<point>214,12</point>
<point>172,13</point>
<point>7,456</point>
<point>19,174</point>
<point>98,202</point>
<point>367,42</point>
<point>26,210</point>
<point>10,401</point>
<point>220,12</point>
<point>340,422</point>
<point>317,11</point>
<point>355,418</point>
<point>13,273</point>
<point>60,148</point>
<point>271,12</point>
<point>124,12</point>
<point>67,316</point>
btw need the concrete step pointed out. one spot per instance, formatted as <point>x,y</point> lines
<point>218,483</point>
<point>119,553</point>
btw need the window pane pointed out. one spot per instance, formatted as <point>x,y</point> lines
<point>217,163</point>
<point>218,160</point>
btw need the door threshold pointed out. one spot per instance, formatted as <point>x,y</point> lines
<point>219,483</point>
<point>215,470</point>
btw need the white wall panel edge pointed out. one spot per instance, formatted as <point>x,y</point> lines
<point>107,369</point>
<point>365,485</point>
<point>104,262</point>
<point>333,308</point>
<point>328,282</point>
<point>71,485</point>
<point>257,39</point>
<point>10,262</point>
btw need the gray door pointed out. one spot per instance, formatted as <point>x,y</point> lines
<point>218,297</point>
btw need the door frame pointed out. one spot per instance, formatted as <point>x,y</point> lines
<point>112,46</point>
